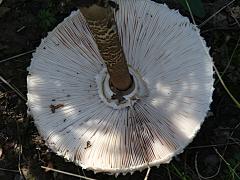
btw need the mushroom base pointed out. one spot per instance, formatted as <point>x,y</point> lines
<point>129,97</point>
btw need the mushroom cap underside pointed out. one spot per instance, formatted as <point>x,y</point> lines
<point>163,49</point>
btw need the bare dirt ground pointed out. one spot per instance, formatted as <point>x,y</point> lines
<point>214,153</point>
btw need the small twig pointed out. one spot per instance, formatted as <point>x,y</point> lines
<point>225,87</point>
<point>20,153</point>
<point>219,28</point>
<point>21,28</point>
<point>67,173</point>
<point>13,88</point>
<point>16,56</point>
<point>234,50</point>
<point>222,159</point>
<point>208,19</point>
<point>169,174</point>
<point>82,172</point>
<point>211,145</point>
<point>178,173</point>
<point>230,136</point>
<point>230,60</point>
<point>19,163</point>
<point>191,14</point>
<point>208,177</point>
<point>237,140</point>
<point>235,18</point>
<point>234,129</point>
<point>9,170</point>
<point>147,174</point>
<point>229,166</point>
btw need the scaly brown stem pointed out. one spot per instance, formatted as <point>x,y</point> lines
<point>104,29</point>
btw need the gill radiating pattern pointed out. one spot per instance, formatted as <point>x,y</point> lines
<point>164,48</point>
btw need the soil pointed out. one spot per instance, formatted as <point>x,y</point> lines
<point>215,150</point>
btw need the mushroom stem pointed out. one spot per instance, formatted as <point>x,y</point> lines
<point>104,29</point>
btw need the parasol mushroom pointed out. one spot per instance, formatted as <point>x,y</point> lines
<point>71,99</point>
